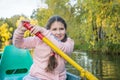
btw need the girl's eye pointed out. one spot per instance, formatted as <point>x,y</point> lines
<point>61,28</point>
<point>54,29</point>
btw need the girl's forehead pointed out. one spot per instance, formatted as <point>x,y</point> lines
<point>57,23</point>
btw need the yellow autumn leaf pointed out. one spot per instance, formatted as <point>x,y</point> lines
<point>33,22</point>
<point>20,19</point>
<point>92,43</point>
<point>10,29</point>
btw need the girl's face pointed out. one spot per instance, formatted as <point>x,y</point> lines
<point>58,30</point>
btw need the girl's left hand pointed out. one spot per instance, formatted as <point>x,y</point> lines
<point>35,29</point>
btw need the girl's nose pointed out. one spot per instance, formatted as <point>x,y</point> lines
<point>58,32</point>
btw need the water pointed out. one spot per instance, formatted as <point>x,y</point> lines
<point>104,67</point>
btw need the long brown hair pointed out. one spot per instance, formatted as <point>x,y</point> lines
<point>52,62</point>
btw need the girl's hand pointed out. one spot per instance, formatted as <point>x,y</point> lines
<point>21,27</point>
<point>36,29</point>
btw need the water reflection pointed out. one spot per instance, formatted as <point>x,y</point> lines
<point>105,67</point>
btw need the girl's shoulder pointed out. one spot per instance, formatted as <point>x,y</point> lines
<point>70,39</point>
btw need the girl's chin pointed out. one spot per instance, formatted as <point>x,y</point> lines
<point>60,38</point>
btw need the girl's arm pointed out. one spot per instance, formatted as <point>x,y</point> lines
<point>66,47</point>
<point>21,42</point>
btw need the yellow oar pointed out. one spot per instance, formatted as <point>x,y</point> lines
<point>84,73</point>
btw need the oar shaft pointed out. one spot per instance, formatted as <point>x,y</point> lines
<point>68,59</point>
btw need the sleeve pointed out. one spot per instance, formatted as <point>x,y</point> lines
<point>21,42</point>
<point>67,47</point>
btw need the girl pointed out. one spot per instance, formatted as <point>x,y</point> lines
<point>47,65</point>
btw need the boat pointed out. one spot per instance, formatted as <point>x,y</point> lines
<point>15,64</point>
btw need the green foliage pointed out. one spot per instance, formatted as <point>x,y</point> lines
<point>43,15</point>
<point>99,23</point>
<point>93,24</point>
